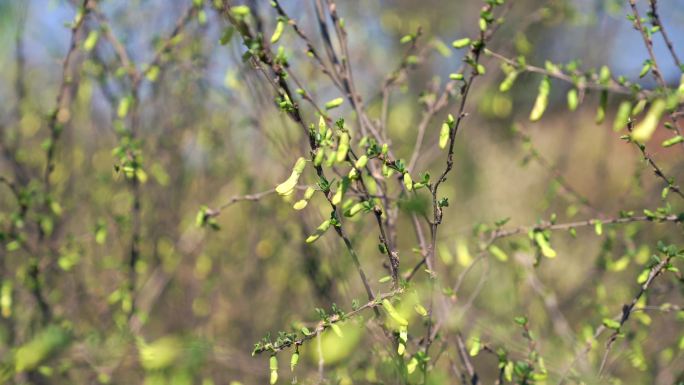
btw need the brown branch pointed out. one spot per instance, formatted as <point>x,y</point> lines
<point>627,309</point>
<point>501,233</point>
<point>656,169</point>
<point>282,88</point>
<point>656,22</point>
<point>61,113</point>
<point>613,86</point>
<point>322,326</point>
<point>474,379</point>
<point>648,42</point>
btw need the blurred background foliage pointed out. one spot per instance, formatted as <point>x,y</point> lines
<point>208,130</point>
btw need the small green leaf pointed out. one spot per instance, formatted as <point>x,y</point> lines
<point>408,182</point>
<point>152,73</point>
<point>420,310</point>
<point>124,105</point>
<point>413,364</point>
<point>361,162</point>
<point>334,103</point>
<point>611,323</point>
<point>91,40</point>
<point>604,75</point>
<point>227,35</point>
<point>337,330</point>
<point>393,313</point>
<point>601,111</point>
<point>498,253</point>
<point>475,347</point>
<point>622,116</point>
<point>322,228</point>
<point>544,245</point>
<point>444,135</point>
<point>645,129</point>
<point>673,141</point>
<point>598,227</point>
<point>573,99</point>
<point>542,99</point>
<point>645,68</point>
<point>240,10</point>
<point>353,210</point>
<point>287,187</point>
<point>460,43</point>
<point>294,360</point>
<point>507,83</point>
<point>343,147</point>
<point>278,32</point>
<point>639,107</point>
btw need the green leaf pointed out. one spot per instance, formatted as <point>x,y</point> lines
<point>498,253</point>
<point>159,354</point>
<point>420,310</point>
<point>460,43</point>
<point>342,147</point>
<point>611,323</point>
<point>227,35</point>
<point>240,10</point>
<point>645,68</point>
<point>413,364</point>
<point>507,83</point>
<point>90,41</point>
<point>601,111</point>
<point>408,182</point>
<point>444,135</point>
<point>542,100</point>
<point>475,347</point>
<point>622,116</point>
<point>342,187</point>
<point>334,103</point>
<point>598,227</point>
<point>152,73</point>
<point>672,141</point>
<point>639,107</point>
<point>387,305</point>
<point>322,228</point>
<point>273,364</point>
<point>124,105</point>
<point>294,360</point>
<point>361,162</point>
<point>604,75</point>
<point>645,129</point>
<point>544,245</point>
<point>278,32</point>
<point>573,99</point>
<point>287,187</point>
<point>336,329</point>
<point>354,209</point>
<point>30,355</point>
<point>440,47</point>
